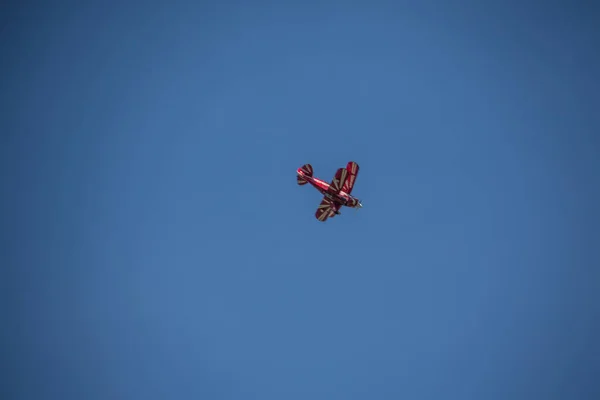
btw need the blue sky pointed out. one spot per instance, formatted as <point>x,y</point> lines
<point>157,246</point>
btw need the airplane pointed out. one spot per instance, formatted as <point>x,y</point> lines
<point>335,194</point>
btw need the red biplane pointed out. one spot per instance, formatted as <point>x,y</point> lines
<point>336,194</point>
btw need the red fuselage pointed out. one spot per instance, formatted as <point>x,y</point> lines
<point>340,197</point>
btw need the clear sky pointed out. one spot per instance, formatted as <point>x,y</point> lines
<point>156,244</point>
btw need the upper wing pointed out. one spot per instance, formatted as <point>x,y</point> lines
<point>352,172</point>
<point>339,179</point>
<point>326,209</point>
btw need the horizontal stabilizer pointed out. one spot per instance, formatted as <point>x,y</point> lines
<point>306,169</point>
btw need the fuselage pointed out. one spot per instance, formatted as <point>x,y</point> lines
<point>325,188</point>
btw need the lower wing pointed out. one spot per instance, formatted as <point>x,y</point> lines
<point>327,209</point>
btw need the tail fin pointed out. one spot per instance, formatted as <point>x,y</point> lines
<point>305,170</point>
